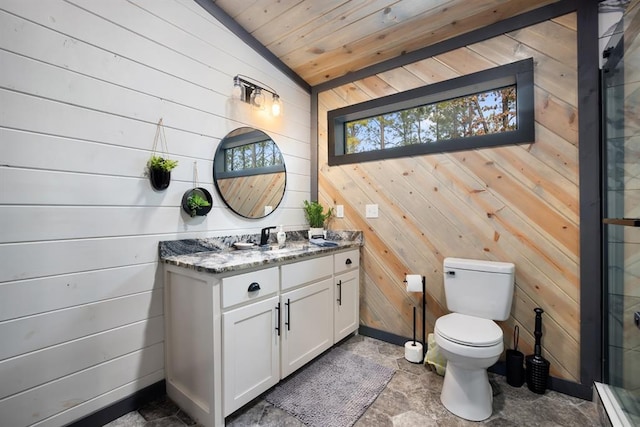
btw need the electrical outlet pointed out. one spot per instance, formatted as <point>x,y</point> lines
<point>339,211</point>
<point>371,211</point>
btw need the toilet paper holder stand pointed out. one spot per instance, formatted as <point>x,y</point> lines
<point>424,312</point>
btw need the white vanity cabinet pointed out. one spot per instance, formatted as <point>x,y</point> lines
<point>347,294</point>
<point>250,336</point>
<point>192,343</point>
<point>230,337</point>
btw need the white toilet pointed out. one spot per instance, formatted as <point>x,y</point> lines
<point>477,292</point>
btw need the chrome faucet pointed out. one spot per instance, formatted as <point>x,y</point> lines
<point>264,235</point>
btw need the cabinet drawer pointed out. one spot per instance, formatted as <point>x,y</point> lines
<point>235,289</point>
<point>347,260</point>
<point>306,271</point>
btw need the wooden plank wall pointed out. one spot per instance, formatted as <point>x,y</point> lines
<point>249,195</point>
<point>511,203</point>
<point>82,86</point>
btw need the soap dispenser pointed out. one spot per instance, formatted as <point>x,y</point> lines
<point>282,236</point>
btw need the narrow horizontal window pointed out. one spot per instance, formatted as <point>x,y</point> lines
<point>489,108</point>
<point>246,154</point>
<point>482,113</point>
<point>251,156</point>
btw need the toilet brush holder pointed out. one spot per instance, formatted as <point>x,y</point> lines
<point>515,362</point>
<point>515,368</point>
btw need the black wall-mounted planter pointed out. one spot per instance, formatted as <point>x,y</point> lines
<point>160,179</point>
<point>199,211</point>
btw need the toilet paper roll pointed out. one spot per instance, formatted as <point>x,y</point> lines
<point>414,283</point>
<point>413,351</point>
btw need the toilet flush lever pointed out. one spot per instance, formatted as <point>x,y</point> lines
<point>450,273</point>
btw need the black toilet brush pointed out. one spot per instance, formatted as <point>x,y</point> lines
<point>537,366</point>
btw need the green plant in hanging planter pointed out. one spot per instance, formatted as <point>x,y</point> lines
<point>160,171</point>
<point>161,163</point>
<point>316,215</point>
<point>195,201</point>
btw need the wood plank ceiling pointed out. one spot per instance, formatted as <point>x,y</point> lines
<point>324,39</point>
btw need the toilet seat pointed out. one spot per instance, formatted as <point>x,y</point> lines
<point>468,330</point>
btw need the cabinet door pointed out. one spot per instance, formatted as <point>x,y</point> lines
<point>250,352</point>
<point>347,304</point>
<point>307,324</point>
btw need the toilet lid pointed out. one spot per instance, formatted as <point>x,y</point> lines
<point>469,330</point>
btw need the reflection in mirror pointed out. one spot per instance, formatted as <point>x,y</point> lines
<point>249,172</point>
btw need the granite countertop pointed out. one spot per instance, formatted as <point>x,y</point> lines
<point>217,254</point>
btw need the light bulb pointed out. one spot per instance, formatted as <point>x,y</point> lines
<point>238,89</point>
<point>276,106</point>
<point>257,98</point>
<point>236,93</point>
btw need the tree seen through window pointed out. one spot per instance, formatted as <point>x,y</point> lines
<point>253,155</point>
<point>483,113</point>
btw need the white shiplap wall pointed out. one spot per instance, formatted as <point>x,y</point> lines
<point>82,85</point>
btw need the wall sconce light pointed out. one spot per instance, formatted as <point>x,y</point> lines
<point>252,93</point>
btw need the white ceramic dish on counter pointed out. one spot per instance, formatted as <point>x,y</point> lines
<point>243,245</point>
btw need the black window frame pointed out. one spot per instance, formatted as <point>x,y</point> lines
<point>518,73</point>
<point>255,137</point>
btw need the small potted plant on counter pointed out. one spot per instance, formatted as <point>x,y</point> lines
<point>160,171</point>
<point>197,202</point>
<point>317,217</point>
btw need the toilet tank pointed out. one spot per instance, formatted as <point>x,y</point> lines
<point>479,288</point>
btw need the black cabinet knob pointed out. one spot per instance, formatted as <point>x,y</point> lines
<point>348,261</point>
<point>254,287</point>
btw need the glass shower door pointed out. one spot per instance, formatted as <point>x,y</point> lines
<point>621,213</point>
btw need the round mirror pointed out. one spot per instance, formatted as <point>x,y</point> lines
<point>249,172</point>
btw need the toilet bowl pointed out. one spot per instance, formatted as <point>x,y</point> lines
<point>470,345</point>
<point>477,292</point>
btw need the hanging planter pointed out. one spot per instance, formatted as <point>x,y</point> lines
<point>160,171</point>
<point>197,201</point>
<point>159,165</point>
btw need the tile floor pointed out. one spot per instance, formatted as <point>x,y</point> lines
<point>412,398</point>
